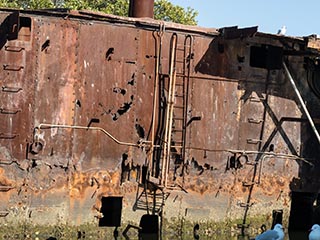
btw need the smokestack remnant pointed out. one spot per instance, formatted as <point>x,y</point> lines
<point>141,8</point>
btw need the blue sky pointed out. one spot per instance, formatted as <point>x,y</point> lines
<point>302,18</point>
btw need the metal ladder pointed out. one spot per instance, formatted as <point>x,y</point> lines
<point>255,123</point>
<point>176,112</point>
<point>8,112</point>
<point>181,96</point>
<point>170,144</point>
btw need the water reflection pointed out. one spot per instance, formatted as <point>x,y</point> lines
<point>133,235</point>
<point>293,235</point>
<point>229,236</point>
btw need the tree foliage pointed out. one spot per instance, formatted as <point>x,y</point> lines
<point>163,9</point>
<point>27,4</point>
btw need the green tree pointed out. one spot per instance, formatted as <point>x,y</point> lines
<point>27,4</point>
<point>163,9</point>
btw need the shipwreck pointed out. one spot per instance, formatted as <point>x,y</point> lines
<point>107,119</point>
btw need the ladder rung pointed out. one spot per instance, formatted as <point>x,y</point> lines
<point>181,107</point>
<point>177,95</point>
<point>4,213</point>
<point>256,99</point>
<point>164,74</point>
<point>12,67</point>
<point>245,205</point>
<point>253,141</point>
<point>5,188</point>
<point>9,111</point>
<point>175,187</point>
<point>8,135</point>
<point>13,48</point>
<point>11,89</point>
<point>179,130</point>
<point>256,121</point>
<point>181,74</point>
<point>178,118</point>
<point>247,184</point>
<point>182,47</point>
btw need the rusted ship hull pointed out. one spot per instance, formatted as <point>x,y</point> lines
<point>176,121</point>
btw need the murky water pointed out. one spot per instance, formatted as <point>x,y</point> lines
<point>288,236</point>
<point>133,236</point>
<point>226,236</point>
<point>95,233</point>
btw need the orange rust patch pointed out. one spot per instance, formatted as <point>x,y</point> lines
<point>101,182</point>
<point>3,180</point>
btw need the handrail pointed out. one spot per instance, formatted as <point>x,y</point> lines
<point>249,152</point>
<point>48,125</point>
<point>169,111</point>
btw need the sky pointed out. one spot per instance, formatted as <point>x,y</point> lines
<point>301,18</point>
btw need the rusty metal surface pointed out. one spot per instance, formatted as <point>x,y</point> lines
<point>16,95</point>
<point>106,92</point>
<point>95,80</point>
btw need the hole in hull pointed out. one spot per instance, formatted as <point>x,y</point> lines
<point>111,208</point>
<point>301,211</point>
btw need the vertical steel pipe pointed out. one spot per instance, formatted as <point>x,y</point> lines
<point>141,8</point>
